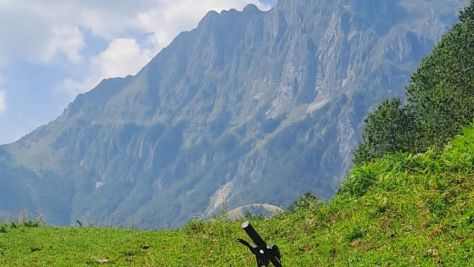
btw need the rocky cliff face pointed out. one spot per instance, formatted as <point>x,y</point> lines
<point>249,107</point>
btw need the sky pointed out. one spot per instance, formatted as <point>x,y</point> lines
<point>53,50</point>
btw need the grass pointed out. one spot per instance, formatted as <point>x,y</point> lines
<point>401,210</point>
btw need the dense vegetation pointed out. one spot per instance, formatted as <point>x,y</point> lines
<point>402,209</point>
<point>397,206</point>
<point>440,100</point>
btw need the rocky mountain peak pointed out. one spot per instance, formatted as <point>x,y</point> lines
<point>249,107</point>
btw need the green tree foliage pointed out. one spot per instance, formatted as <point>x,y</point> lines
<point>468,14</point>
<point>390,128</point>
<point>440,99</point>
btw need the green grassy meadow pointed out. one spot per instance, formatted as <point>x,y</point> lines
<point>400,210</point>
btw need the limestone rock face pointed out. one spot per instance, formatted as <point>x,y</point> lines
<point>249,107</point>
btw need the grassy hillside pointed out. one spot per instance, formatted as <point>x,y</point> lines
<point>401,209</point>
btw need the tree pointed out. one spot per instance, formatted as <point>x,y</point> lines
<point>391,128</point>
<point>440,99</point>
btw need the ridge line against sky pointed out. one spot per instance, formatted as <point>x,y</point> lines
<point>52,50</point>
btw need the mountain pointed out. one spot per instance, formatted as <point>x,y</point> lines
<point>249,107</point>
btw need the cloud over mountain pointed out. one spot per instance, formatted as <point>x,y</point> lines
<point>67,47</point>
<point>39,31</point>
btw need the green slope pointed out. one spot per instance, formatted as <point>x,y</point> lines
<point>402,209</point>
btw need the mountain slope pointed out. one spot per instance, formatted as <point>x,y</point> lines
<point>402,209</point>
<point>249,107</point>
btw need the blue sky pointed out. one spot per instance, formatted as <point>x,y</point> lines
<point>52,50</point>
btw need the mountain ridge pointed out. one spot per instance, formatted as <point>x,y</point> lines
<point>266,104</point>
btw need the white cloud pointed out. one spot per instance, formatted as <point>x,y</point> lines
<point>3,102</point>
<point>35,33</point>
<point>41,31</point>
<point>51,32</point>
<point>66,41</point>
<point>161,20</point>
<point>122,57</point>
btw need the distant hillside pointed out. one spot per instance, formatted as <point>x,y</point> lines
<point>400,210</point>
<point>249,107</point>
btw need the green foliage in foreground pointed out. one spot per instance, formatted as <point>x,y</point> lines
<point>402,209</point>
<point>440,100</point>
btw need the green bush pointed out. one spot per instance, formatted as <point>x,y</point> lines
<point>359,181</point>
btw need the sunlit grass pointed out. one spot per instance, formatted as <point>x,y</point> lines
<point>404,210</point>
